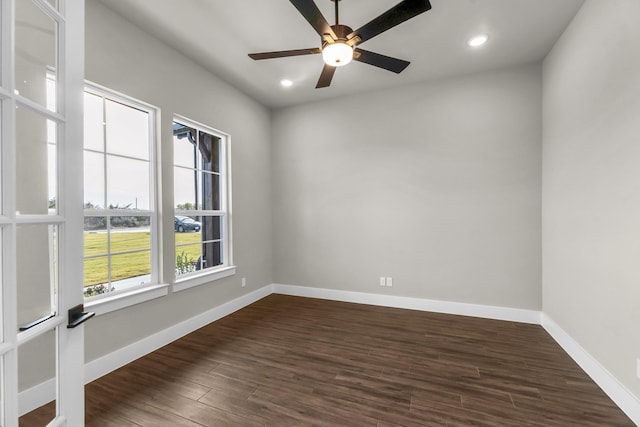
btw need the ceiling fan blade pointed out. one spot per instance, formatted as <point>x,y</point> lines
<point>326,76</point>
<point>401,12</point>
<point>285,53</point>
<point>311,13</point>
<point>382,61</point>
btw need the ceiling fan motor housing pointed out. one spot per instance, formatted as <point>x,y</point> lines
<point>342,31</point>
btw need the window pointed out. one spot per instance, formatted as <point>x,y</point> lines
<point>201,201</point>
<point>120,238</point>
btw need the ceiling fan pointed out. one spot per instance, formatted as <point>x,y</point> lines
<point>339,42</point>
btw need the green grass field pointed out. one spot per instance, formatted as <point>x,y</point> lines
<point>131,264</point>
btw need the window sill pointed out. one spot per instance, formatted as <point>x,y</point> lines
<point>124,300</point>
<point>201,279</point>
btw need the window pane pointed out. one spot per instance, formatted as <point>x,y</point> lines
<point>35,52</point>
<point>96,272</point>
<point>127,183</point>
<point>93,180</point>
<point>36,255</point>
<point>93,122</point>
<point>211,254</point>
<point>95,236</point>
<point>184,187</point>
<point>187,258</point>
<point>129,270</point>
<point>127,130</point>
<point>210,191</point>
<point>184,147</point>
<point>192,257</point>
<point>211,228</point>
<point>209,152</point>
<point>52,175</point>
<point>96,275</point>
<point>36,163</point>
<point>129,233</point>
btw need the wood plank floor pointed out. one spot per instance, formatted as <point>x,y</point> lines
<point>297,361</point>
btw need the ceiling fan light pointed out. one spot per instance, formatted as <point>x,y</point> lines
<point>337,54</point>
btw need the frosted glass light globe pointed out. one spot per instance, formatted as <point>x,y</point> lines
<point>337,54</point>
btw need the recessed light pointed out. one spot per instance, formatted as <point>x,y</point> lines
<point>286,83</point>
<point>477,41</point>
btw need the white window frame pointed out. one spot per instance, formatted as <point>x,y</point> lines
<point>118,299</point>
<point>227,268</point>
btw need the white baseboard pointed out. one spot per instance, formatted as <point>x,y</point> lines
<point>36,396</point>
<point>462,309</point>
<point>622,397</point>
<point>45,392</point>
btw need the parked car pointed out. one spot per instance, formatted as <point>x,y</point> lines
<point>183,224</point>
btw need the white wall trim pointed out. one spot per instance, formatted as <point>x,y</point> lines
<point>458,308</point>
<point>42,393</point>
<point>622,397</point>
<point>36,396</point>
<point>122,300</point>
<point>203,277</point>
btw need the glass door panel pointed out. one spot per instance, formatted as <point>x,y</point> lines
<point>36,163</point>
<point>37,361</point>
<point>37,365</point>
<point>35,51</point>
<point>37,267</point>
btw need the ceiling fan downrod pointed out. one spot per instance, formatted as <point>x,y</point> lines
<point>341,31</point>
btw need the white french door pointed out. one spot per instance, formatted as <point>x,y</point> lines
<point>42,75</point>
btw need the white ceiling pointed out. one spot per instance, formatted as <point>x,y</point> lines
<point>219,34</point>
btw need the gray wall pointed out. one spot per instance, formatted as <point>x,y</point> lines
<point>436,185</point>
<point>591,184</point>
<point>121,57</point>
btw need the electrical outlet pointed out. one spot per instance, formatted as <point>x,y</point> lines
<point>244,282</point>
<point>389,281</point>
<point>638,368</point>
<point>383,281</point>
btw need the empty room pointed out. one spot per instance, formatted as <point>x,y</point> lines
<point>320,212</point>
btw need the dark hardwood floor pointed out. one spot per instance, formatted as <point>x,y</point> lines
<point>287,361</point>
